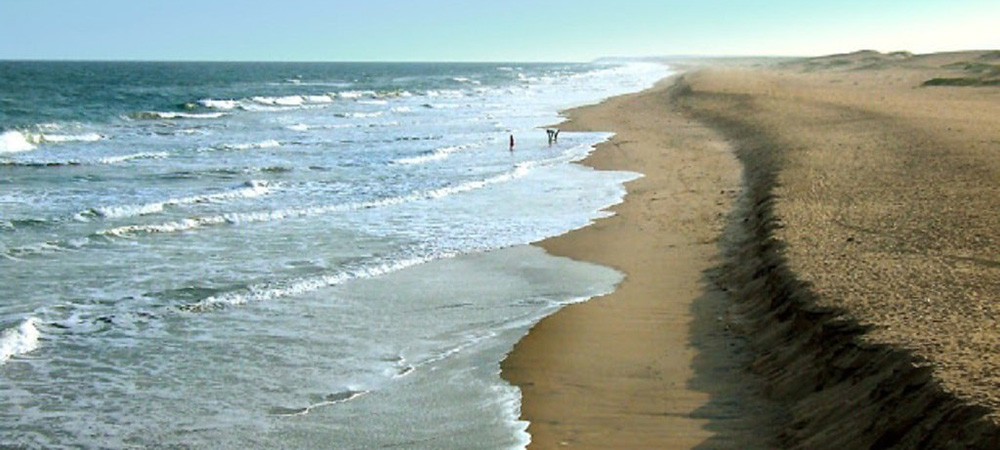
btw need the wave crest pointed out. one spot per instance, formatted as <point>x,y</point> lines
<point>14,141</point>
<point>274,290</point>
<point>123,158</point>
<point>16,341</point>
<point>436,155</point>
<point>190,224</point>
<point>270,143</point>
<point>169,115</point>
<point>253,188</point>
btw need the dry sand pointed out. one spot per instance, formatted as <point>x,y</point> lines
<point>882,197</point>
<point>863,264</point>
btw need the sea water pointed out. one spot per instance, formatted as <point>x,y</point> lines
<point>251,255</point>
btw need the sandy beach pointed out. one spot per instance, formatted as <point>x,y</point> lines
<point>650,365</point>
<point>857,260</point>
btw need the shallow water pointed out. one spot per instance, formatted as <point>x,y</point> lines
<point>284,255</point>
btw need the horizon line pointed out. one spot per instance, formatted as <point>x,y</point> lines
<point>402,61</point>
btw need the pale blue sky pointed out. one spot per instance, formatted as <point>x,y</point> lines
<point>496,30</point>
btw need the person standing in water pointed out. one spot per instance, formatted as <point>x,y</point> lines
<point>512,143</point>
<point>553,135</point>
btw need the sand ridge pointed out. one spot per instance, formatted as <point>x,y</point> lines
<point>868,271</point>
<point>888,196</point>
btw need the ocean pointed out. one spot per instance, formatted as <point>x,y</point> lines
<point>286,255</point>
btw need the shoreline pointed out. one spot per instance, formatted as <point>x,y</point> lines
<point>647,365</point>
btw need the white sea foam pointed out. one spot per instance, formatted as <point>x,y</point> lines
<point>270,143</point>
<point>394,94</point>
<point>441,105</point>
<point>360,115</point>
<point>14,141</point>
<point>169,115</point>
<point>334,126</point>
<point>330,401</point>
<point>169,227</point>
<point>466,80</point>
<point>355,94</point>
<point>288,100</point>
<point>190,224</point>
<point>16,341</point>
<point>259,107</point>
<point>86,137</point>
<point>219,104</point>
<point>330,126</point>
<point>401,109</point>
<point>436,155</point>
<point>124,158</point>
<point>318,98</point>
<point>275,290</point>
<point>250,189</point>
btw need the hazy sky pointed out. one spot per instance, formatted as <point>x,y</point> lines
<point>475,30</point>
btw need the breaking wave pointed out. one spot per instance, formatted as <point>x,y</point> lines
<point>14,141</point>
<point>270,143</point>
<point>124,158</point>
<point>18,340</point>
<point>109,160</point>
<point>267,103</point>
<point>69,162</point>
<point>359,115</point>
<point>219,104</point>
<point>279,289</point>
<point>56,138</point>
<point>250,189</point>
<point>436,155</point>
<point>269,216</point>
<point>168,115</point>
<point>284,102</point>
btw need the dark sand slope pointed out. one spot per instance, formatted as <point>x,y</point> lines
<point>867,262</point>
<point>650,365</point>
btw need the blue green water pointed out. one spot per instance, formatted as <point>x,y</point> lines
<point>242,255</point>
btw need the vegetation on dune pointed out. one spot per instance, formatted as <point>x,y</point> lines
<point>962,81</point>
